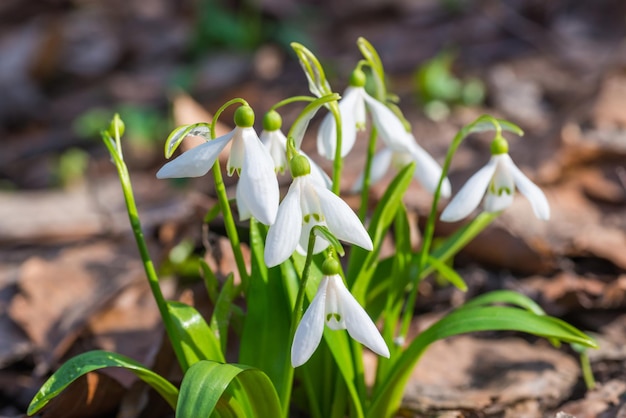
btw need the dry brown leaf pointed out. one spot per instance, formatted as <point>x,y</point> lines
<point>56,297</point>
<point>488,375</point>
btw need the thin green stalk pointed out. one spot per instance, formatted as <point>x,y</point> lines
<point>429,229</point>
<point>133,216</point>
<point>293,99</point>
<point>338,162</point>
<point>229,223</point>
<point>298,311</point>
<point>222,197</point>
<point>585,365</point>
<point>367,174</point>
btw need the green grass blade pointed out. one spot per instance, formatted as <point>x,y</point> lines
<point>95,360</point>
<point>363,263</point>
<point>225,390</point>
<point>197,340</point>
<point>492,318</point>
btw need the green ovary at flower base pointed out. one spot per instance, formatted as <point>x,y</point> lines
<point>496,181</point>
<point>307,204</point>
<point>276,143</point>
<point>334,306</point>
<point>257,191</point>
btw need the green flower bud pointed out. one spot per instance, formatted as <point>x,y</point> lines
<point>357,78</point>
<point>272,121</point>
<point>331,266</point>
<point>244,116</point>
<point>118,123</point>
<point>499,146</point>
<point>299,166</point>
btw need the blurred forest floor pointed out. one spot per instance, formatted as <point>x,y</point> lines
<point>71,279</point>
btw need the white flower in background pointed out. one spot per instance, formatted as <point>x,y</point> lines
<point>307,204</point>
<point>496,181</point>
<point>276,143</point>
<point>334,306</point>
<point>427,170</point>
<point>257,191</point>
<point>402,149</point>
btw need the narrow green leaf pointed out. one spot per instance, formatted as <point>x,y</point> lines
<point>373,59</point>
<point>448,273</point>
<point>323,232</point>
<point>265,338</point>
<point>387,398</point>
<point>197,340</point>
<point>95,360</point>
<point>505,296</point>
<point>318,85</point>
<point>301,123</point>
<point>222,312</point>
<point>362,263</point>
<point>177,135</point>
<point>226,390</point>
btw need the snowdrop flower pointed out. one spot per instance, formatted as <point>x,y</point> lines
<point>496,181</point>
<point>334,306</point>
<point>276,143</point>
<point>257,191</point>
<point>399,155</point>
<point>307,204</point>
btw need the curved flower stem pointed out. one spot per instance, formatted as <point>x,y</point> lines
<point>297,313</point>
<point>133,216</point>
<point>229,223</point>
<point>365,187</point>
<point>338,162</point>
<point>222,197</point>
<point>293,99</point>
<point>429,229</point>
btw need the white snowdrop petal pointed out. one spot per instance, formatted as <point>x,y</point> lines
<point>242,207</point>
<point>470,195</point>
<point>534,194</point>
<point>310,329</point>
<point>380,166</point>
<point>358,323</point>
<point>276,144</point>
<point>237,150</point>
<point>326,137</point>
<point>389,126</point>
<point>327,134</point>
<point>496,203</point>
<point>341,220</point>
<point>317,174</point>
<point>258,184</point>
<point>195,162</point>
<point>428,171</point>
<point>283,235</point>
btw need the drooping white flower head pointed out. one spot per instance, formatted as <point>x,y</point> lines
<point>427,170</point>
<point>334,306</point>
<point>257,191</point>
<point>306,204</point>
<point>496,181</point>
<point>276,143</point>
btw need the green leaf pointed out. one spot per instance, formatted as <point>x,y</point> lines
<point>95,360</point>
<point>178,134</point>
<point>489,123</point>
<point>220,319</point>
<point>265,340</point>
<point>197,340</point>
<point>229,390</point>
<point>363,263</point>
<point>373,59</point>
<point>505,296</point>
<point>387,397</point>
<point>318,85</point>
<point>448,273</point>
<point>301,123</point>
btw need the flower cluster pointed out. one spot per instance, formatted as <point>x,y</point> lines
<point>309,202</point>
